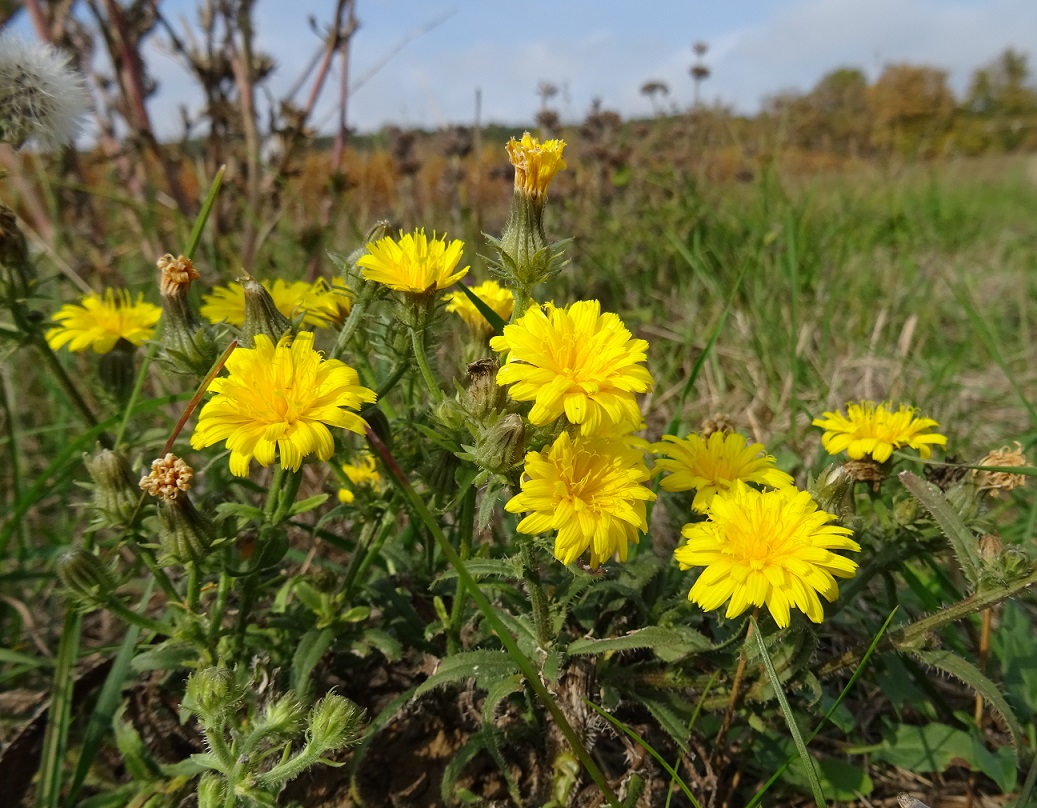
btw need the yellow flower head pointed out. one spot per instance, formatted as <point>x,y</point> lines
<point>535,163</point>
<point>99,322</point>
<point>712,466</point>
<point>575,361</point>
<point>280,400</point>
<point>414,263</point>
<point>491,293</point>
<point>361,473</point>
<point>588,489</point>
<point>773,547</point>
<point>320,302</point>
<point>873,430</point>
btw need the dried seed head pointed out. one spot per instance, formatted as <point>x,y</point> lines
<point>997,481</point>
<point>177,274</point>
<point>168,477</point>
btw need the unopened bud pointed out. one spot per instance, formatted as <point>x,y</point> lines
<point>989,548</point>
<point>118,372</point>
<point>449,413</point>
<point>484,396</point>
<point>284,716</point>
<point>212,693</point>
<point>212,790</point>
<point>334,722</point>
<point>185,534</point>
<point>88,579</point>
<point>502,446</point>
<point>115,489</point>
<point>832,490</point>
<point>261,314</point>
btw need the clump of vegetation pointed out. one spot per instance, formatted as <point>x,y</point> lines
<point>685,507</point>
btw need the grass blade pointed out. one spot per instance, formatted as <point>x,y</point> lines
<point>48,791</point>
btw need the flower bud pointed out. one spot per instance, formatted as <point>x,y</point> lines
<point>334,722</point>
<point>212,791</point>
<point>117,370</point>
<point>502,446</point>
<point>115,489</point>
<point>832,490</point>
<point>526,257</point>
<point>484,396</point>
<point>212,693</point>
<point>449,413</point>
<point>261,314</point>
<point>283,717</point>
<point>185,534</point>
<point>88,579</point>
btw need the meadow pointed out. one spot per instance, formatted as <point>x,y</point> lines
<point>466,591</point>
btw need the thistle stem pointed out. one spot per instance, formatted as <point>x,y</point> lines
<point>418,340</point>
<point>541,611</point>
<point>356,314</point>
<point>736,689</point>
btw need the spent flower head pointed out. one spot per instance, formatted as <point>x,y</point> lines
<point>41,97</point>
<point>770,548</point>
<point>413,263</point>
<point>278,401</point>
<point>168,478</point>
<point>176,274</point>
<point>871,430</point>
<point>712,466</point>
<point>591,491</point>
<point>997,481</point>
<point>98,323</point>
<point>577,362</point>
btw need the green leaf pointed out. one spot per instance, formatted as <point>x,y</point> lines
<point>308,504</point>
<point>15,658</point>
<point>840,779</point>
<point>673,642</point>
<point>487,668</point>
<point>59,717</point>
<point>930,748</point>
<point>971,675</point>
<point>168,656</point>
<point>491,316</point>
<point>673,711</point>
<point>311,648</point>
<point>245,512</point>
<point>962,539</point>
<point>1000,766</point>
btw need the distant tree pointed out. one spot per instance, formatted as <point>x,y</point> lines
<point>1005,105</point>
<point>839,103</point>
<point>912,109</point>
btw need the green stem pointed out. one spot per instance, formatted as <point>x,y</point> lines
<point>523,663</point>
<point>289,490</point>
<point>194,588</point>
<point>356,314</point>
<point>359,554</point>
<point>466,525</point>
<point>125,613</point>
<point>138,384</point>
<point>910,635</point>
<point>389,382</point>
<point>541,611</point>
<point>418,340</point>
<point>66,383</point>
<point>216,616</point>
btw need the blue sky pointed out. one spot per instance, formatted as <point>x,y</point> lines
<point>606,49</point>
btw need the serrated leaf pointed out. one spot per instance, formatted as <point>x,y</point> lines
<point>972,676</point>
<point>673,712</point>
<point>487,668</point>
<point>672,642</point>
<point>308,504</point>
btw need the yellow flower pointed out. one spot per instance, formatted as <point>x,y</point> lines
<point>575,361</point>
<point>99,322</point>
<point>711,466</point>
<point>321,303</point>
<point>772,547</point>
<point>873,430</point>
<point>414,263</point>
<point>280,400</point>
<point>361,473</point>
<point>589,490</point>
<point>535,163</point>
<point>501,300</point>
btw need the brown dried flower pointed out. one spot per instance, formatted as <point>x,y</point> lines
<point>996,481</point>
<point>177,275</point>
<point>169,476</point>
